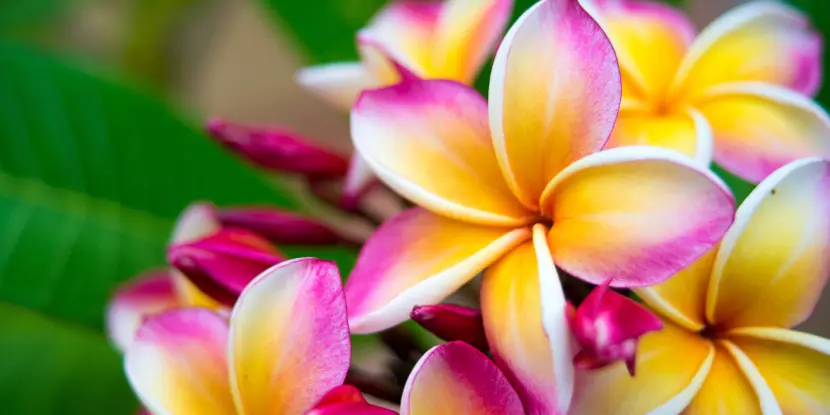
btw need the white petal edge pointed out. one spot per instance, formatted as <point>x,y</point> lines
<point>705,141</point>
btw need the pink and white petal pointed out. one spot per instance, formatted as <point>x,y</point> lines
<point>405,29</point>
<point>650,39</point>
<point>524,319</point>
<point>148,294</point>
<point>777,250</point>
<point>759,127</point>
<point>456,378</point>
<point>618,214</point>
<point>196,222</point>
<point>419,258</point>
<point>289,338</point>
<point>466,33</point>
<point>672,365</point>
<point>795,365</point>
<point>687,132</point>
<point>178,363</point>
<point>554,94</point>
<point>767,42</point>
<point>338,84</point>
<point>429,141</point>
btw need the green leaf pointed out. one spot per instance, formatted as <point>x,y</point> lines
<point>92,177</point>
<point>23,15</point>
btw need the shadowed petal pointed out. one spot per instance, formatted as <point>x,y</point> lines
<point>150,293</point>
<point>337,83</point>
<point>452,322</point>
<point>455,378</point>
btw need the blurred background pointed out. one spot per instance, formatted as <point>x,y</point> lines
<point>101,103</point>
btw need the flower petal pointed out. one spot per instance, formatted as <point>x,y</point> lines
<point>280,226</point>
<point>455,378</point>
<point>429,141</point>
<point>650,40</point>
<point>618,214</point>
<point>150,293</point>
<point>466,33</point>
<point>688,133</point>
<point>524,318</point>
<point>682,297</point>
<point>178,363</point>
<point>758,128</point>
<point>777,250</point>
<point>405,29</point>
<point>795,365</point>
<point>760,41</point>
<point>418,258</point>
<point>554,94</point>
<point>337,83</point>
<point>725,391</point>
<point>289,338</point>
<point>196,222</point>
<point>672,365</point>
<point>359,180</point>
<point>346,400</point>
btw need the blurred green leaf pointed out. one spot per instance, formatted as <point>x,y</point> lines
<point>92,177</point>
<point>18,16</point>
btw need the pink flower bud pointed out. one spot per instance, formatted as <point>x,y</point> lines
<point>452,322</point>
<point>222,264</point>
<point>279,150</point>
<point>280,227</point>
<point>346,400</point>
<point>607,326</point>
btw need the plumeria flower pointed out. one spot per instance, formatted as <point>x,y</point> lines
<point>158,290</point>
<point>738,92</point>
<point>519,186</point>
<point>284,347</point>
<point>455,378</point>
<point>429,39</point>
<point>727,347</point>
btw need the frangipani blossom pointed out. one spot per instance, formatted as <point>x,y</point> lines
<point>285,346</point>
<point>727,347</point>
<point>738,92</point>
<point>428,38</point>
<point>490,179</point>
<point>159,290</point>
<point>456,378</point>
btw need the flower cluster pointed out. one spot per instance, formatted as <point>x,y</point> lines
<point>588,164</point>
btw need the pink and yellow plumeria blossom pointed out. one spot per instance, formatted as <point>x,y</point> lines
<point>739,91</point>
<point>285,346</point>
<point>162,289</point>
<point>727,347</point>
<point>637,215</point>
<point>431,39</point>
<point>456,378</point>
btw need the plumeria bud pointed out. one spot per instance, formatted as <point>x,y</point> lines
<point>280,227</point>
<point>222,264</point>
<point>346,400</point>
<point>452,322</point>
<point>607,326</point>
<point>279,150</point>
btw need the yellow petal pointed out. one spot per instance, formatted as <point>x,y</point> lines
<point>760,41</point>
<point>554,94</point>
<point>524,318</point>
<point>795,365</point>
<point>429,140</point>
<point>758,128</point>
<point>419,258</point>
<point>682,297</point>
<point>289,338</point>
<point>688,133</point>
<point>650,40</point>
<point>772,263</point>
<point>672,365</point>
<point>725,391</point>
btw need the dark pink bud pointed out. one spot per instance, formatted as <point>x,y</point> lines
<point>222,264</point>
<point>280,227</point>
<point>346,400</point>
<point>279,150</point>
<point>452,322</point>
<point>607,326</point>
